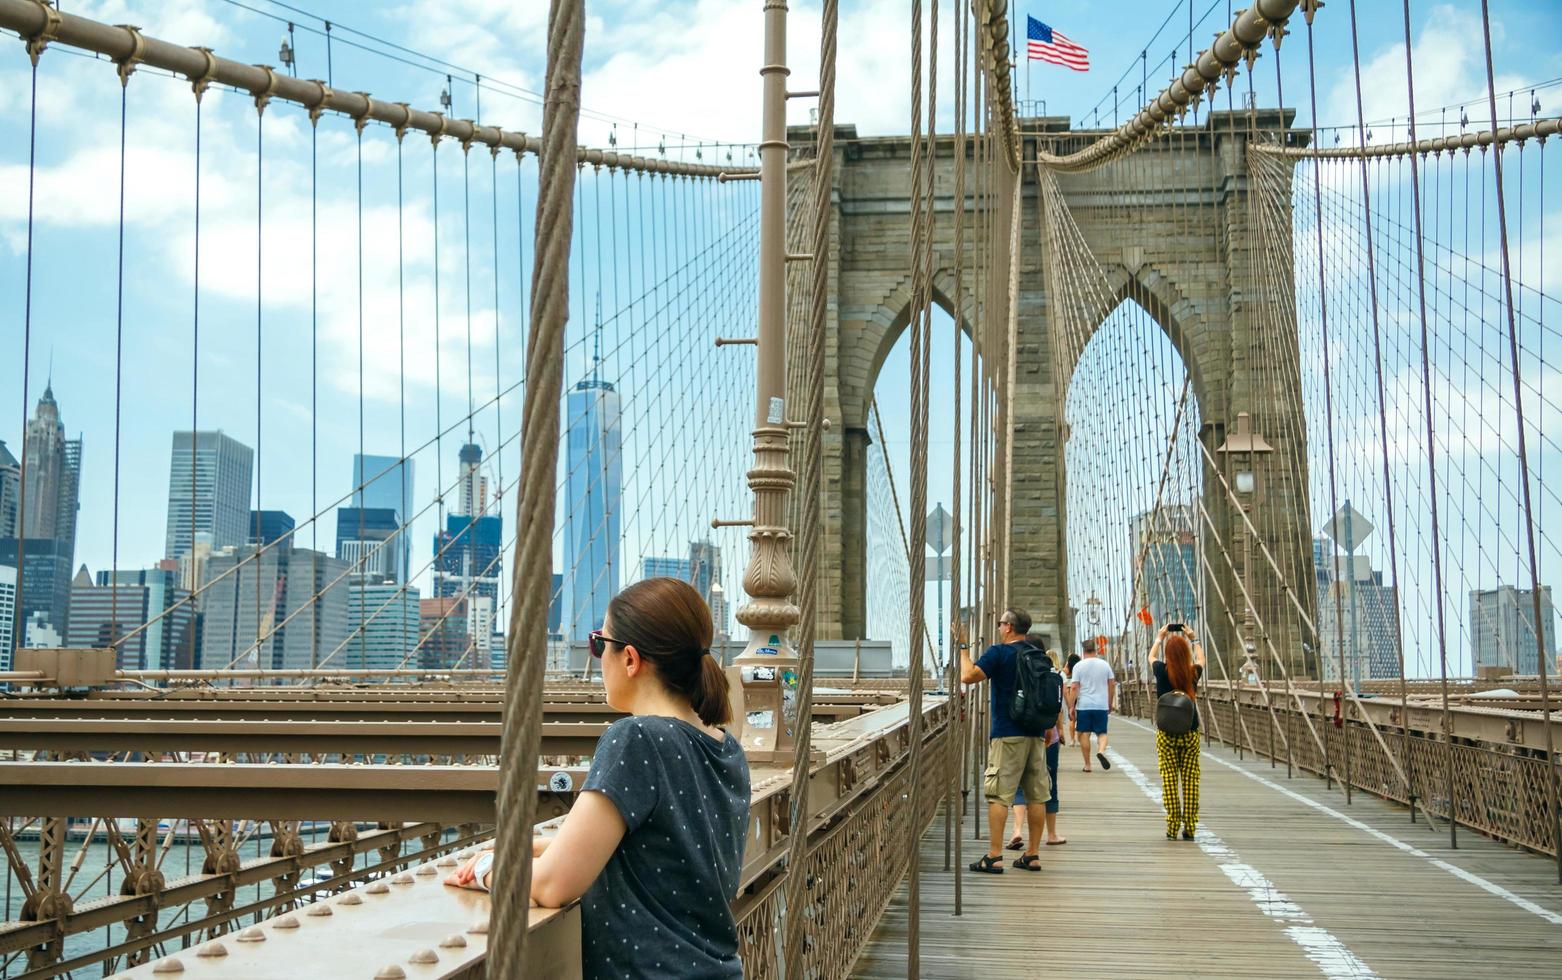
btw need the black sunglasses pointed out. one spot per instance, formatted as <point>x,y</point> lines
<point>597,641</point>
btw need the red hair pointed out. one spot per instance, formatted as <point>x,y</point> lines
<point>1179,663</point>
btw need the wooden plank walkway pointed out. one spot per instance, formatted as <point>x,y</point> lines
<point>1285,880</point>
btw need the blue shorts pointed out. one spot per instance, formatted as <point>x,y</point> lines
<point>1052,776</point>
<point>1091,721</point>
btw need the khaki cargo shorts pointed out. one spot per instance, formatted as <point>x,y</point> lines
<point>1016,763</point>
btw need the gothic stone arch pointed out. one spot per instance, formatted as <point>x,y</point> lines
<point>1193,279</point>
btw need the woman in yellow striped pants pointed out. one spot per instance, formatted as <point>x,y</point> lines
<point>1177,661</point>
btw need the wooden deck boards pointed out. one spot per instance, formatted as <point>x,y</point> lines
<point>1120,901</point>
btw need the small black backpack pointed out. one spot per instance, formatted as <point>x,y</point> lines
<point>1175,713</point>
<point>1038,691</point>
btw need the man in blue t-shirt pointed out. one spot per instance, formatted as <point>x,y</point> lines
<point>1014,760</point>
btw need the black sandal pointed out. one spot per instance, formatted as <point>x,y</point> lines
<point>1028,862</point>
<point>988,865</point>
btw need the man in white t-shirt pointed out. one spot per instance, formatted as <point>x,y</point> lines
<point>1094,687</point>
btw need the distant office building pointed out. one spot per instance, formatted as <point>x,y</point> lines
<point>384,483</point>
<point>718,612</point>
<point>382,627</point>
<point>1356,608</point>
<point>39,632</point>
<point>593,487</point>
<point>44,578</point>
<point>208,491</point>
<point>468,555</point>
<point>52,478</point>
<point>105,610</point>
<point>279,610</point>
<point>10,492</point>
<point>270,527</point>
<point>7,614</point>
<point>472,490</point>
<point>371,536</point>
<point>653,566</point>
<point>555,605</point>
<point>444,634</point>
<point>1165,543</point>
<point>704,567</point>
<point>1502,628</point>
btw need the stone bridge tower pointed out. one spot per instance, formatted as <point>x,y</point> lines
<point>1200,289</point>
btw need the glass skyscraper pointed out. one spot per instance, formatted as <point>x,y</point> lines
<point>592,506</point>
<point>382,483</point>
<point>208,490</point>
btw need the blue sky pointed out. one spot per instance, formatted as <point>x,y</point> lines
<point>679,75</point>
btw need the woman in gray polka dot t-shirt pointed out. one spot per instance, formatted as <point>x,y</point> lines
<point>654,844</point>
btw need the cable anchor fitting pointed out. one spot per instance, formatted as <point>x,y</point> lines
<point>263,98</point>
<point>318,108</point>
<point>200,83</point>
<point>50,31</point>
<point>127,64</point>
<point>361,119</point>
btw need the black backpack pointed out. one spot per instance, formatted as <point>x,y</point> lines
<point>1175,713</point>
<point>1038,691</point>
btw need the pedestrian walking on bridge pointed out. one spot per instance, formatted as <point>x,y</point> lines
<point>1094,687</point>
<point>1177,660</point>
<point>1016,755</point>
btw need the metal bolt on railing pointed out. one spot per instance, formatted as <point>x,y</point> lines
<point>453,941</point>
<point>252,935</point>
<point>351,898</point>
<point>286,922</point>
<point>392,972</point>
<point>213,949</point>
<point>169,965</point>
<point>423,956</point>
<point>319,909</point>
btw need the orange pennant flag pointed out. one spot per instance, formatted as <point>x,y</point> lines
<point>1145,617</point>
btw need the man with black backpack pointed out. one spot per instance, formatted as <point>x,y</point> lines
<point>1027,695</point>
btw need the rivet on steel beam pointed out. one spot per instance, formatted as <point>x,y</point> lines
<point>213,948</point>
<point>453,941</point>
<point>377,888</point>
<point>351,898</point>
<point>169,965</point>
<point>478,928</point>
<point>401,878</point>
<point>392,972</point>
<point>319,909</point>
<point>424,870</point>
<point>447,862</point>
<point>424,956</point>
<point>286,922</point>
<point>252,935</point>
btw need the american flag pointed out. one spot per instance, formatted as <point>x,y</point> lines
<point>1046,44</point>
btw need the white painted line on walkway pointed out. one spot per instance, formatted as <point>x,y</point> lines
<point>1485,884</point>
<point>1332,957</point>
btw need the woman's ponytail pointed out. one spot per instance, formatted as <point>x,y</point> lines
<point>710,700</point>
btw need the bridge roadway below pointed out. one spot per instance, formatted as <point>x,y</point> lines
<point>1285,880</point>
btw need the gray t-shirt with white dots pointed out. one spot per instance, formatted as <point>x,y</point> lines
<point>662,906</point>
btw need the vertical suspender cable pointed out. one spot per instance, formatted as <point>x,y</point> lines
<point>119,365</point>
<point>1377,360</point>
<point>527,635</point>
<point>953,801</point>
<point>1518,408</point>
<point>1431,443</point>
<point>1328,397</point>
<point>921,326</point>
<point>19,622</point>
<point>811,481</point>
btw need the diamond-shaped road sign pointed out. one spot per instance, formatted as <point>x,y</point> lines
<point>938,529</point>
<point>1348,529</point>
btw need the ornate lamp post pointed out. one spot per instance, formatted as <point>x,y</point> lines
<point>767,667</point>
